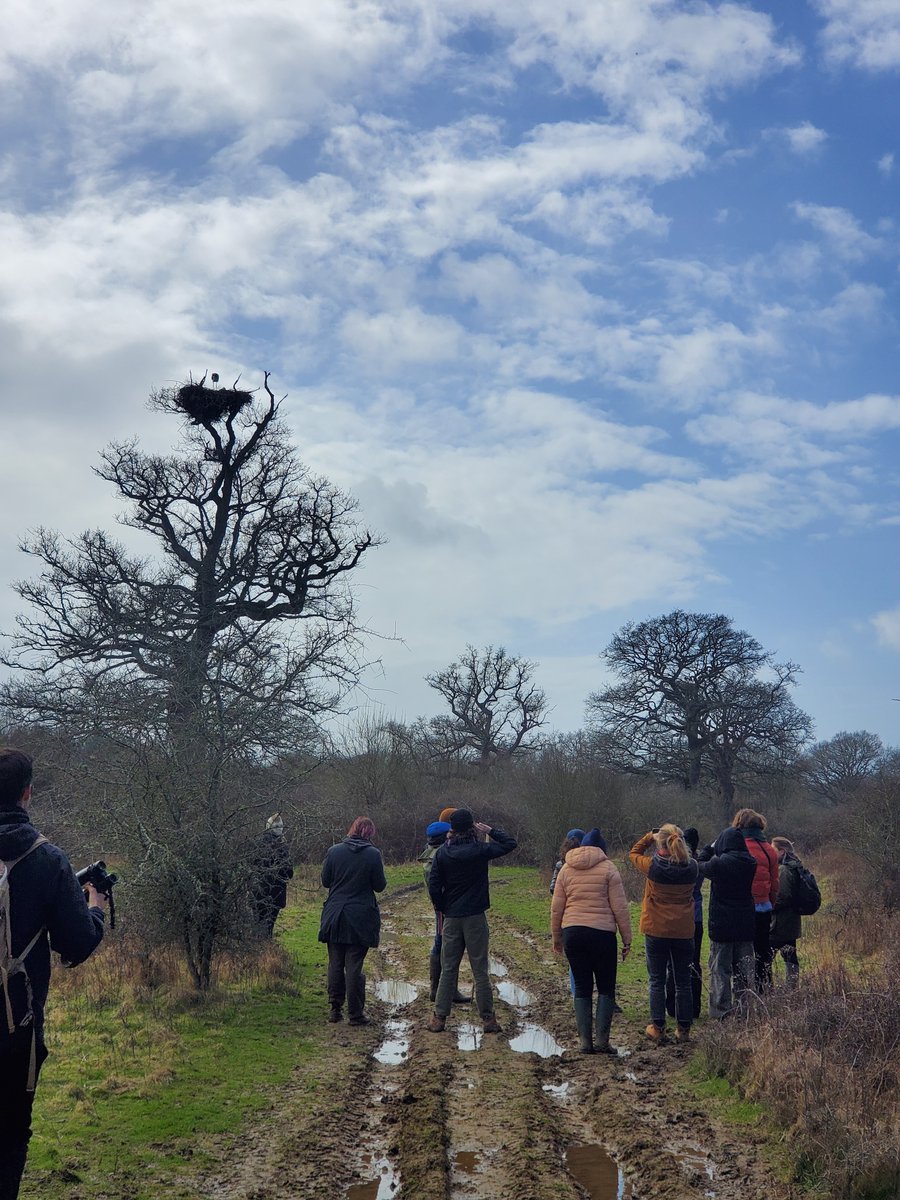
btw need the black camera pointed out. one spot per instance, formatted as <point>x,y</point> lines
<point>98,877</point>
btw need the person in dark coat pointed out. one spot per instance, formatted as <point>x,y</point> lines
<point>458,887</point>
<point>731,921</point>
<point>47,911</point>
<point>272,870</point>
<point>786,919</point>
<point>353,872</point>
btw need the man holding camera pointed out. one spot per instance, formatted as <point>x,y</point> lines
<point>45,908</point>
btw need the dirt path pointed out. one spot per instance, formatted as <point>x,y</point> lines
<point>392,1110</point>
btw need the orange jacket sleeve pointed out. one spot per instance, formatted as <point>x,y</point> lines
<point>638,858</point>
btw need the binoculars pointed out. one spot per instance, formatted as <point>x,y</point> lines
<point>97,876</point>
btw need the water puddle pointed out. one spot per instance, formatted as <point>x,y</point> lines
<point>631,1077</point>
<point>466,1161</point>
<point>468,1036</point>
<point>382,1187</point>
<point>517,996</point>
<point>597,1172</point>
<point>395,1047</point>
<point>558,1090</point>
<point>695,1162</point>
<point>535,1040</point>
<point>395,992</point>
<point>623,1052</point>
<point>496,967</point>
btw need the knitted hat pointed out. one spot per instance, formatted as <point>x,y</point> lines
<point>445,814</point>
<point>575,834</point>
<point>436,828</point>
<point>594,838</point>
<point>461,819</point>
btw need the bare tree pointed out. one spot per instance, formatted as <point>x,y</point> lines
<point>834,769</point>
<point>216,654</point>
<point>495,706</point>
<point>697,697</point>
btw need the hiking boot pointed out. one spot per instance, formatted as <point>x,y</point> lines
<point>335,1015</point>
<point>491,1024</point>
<point>656,1033</point>
<point>362,1019</point>
<point>437,1024</point>
<point>583,1015</point>
<point>683,1033</point>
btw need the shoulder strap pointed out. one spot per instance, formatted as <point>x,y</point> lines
<point>11,966</point>
<point>11,862</point>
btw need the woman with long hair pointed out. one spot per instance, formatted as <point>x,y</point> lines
<point>588,906</point>
<point>753,826</point>
<point>667,922</point>
<point>353,872</point>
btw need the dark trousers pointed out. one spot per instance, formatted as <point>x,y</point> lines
<point>762,952</point>
<point>788,951</point>
<point>592,957</point>
<point>438,934</point>
<point>663,953</point>
<point>15,1116</point>
<point>465,935</point>
<point>345,976</point>
<point>696,976</point>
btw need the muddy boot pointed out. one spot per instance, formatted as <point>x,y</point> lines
<point>583,1014</point>
<point>437,1024</point>
<point>683,1033</point>
<point>602,1025</point>
<point>434,974</point>
<point>491,1024</point>
<point>461,997</point>
<point>335,1015</point>
<point>357,1002</point>
<point>656,1033</point>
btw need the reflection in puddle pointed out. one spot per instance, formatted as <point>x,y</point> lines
<point>623,1052</point>
<point>695,1162</point>
<point>513,994</point>
<point>395,1046</point>
<point>395,991</point>
<point>467,1161</point>
<point>496,967</point>
<point>468,1036</point>
<point>534,1040</point>
<point>631,1077</point>
<point>383,1187</point>
<point>559,1090</point>
<point>597,1172</point>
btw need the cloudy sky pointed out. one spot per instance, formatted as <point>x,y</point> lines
<point>593,305</point>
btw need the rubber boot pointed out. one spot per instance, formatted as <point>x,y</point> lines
<point>357,1008</point>
<point>602,1025</point>
<point>582,1005</point>
<point>434,974</point>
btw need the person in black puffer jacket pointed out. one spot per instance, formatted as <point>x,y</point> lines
<point>353,872</point>
<point>731,921</point>
<point>47,911</point>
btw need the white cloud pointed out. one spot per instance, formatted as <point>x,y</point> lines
<point>863,33</point>
<point>841,229</point>
<point>886,165</point>
<point>805,139</point>
<point>887,627</point>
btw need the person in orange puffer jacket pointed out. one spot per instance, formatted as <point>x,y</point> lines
<point>753,826</point>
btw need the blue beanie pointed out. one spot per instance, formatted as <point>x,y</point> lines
<point>575,833</point>
<point>436,828</point>
<point>594,838</point>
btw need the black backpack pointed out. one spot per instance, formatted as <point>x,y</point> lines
<point>807,897</point>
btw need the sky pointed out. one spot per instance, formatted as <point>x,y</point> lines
<point>592,304</point>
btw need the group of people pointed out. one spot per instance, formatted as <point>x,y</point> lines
<point>759,891</point>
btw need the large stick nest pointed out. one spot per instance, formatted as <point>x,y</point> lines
<point>205,405</point>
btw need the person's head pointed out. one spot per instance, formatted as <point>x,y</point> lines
<point>570,841</point>
<point>437,830</point>
<point>670,843</point>
<point>446,813</point>
<point>692,839</point>
<point>275,824</point>
<point>748,818</point>
<point>362,828</point>
<point>783,846</point>
<point>461,820</point>
<point>594,838</point>
<point>16,770</point>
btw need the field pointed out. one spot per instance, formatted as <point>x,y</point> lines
<point>250,1095</point>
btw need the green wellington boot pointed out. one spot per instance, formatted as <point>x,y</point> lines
<point>602,1025</point>
<point>582,1005</point>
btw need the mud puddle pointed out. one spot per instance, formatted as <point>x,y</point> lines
<point>535,1040</point>
<point>512,994</point>
<point>395,1047</point>
<point>395,992</point>
<point>468,1036</point>
<point>382,1187</point>
<point>497,968</point>
<point>597,1172</point>
<point>559,1091</point>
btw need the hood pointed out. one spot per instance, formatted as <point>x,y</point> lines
<point>755,832</point>
<point>730,840</point>
<point>16,833</point>
<point>584,857</point>
<point>356,844</point>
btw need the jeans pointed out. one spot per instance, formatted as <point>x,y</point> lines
<point>729,961</point>
<point>465,935</point>
<point>696,976</point>
<point>15,1115</point>
<point>592,957</point>
<point>345,976</point>
<point>661,954</point>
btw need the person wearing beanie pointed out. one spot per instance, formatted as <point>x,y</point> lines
<point>446,813</point>
<point>459,891</point>
<point>692,841</point>
<point>272,868</point>
<point>569,842</point>
<point>436,835</point>
<point>786,916</point>
<point>731,869</point>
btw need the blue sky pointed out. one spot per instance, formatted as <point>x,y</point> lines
<point>594,306</point>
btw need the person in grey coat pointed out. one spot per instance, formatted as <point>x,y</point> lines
<point>353,872</point>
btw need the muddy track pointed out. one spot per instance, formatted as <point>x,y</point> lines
<point>392,1110</point>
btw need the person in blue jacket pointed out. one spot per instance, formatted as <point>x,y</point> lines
<point>47,910</point>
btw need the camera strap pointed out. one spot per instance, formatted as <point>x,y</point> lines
<point>10,966</point>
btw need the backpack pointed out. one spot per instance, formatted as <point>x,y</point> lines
<point>10,966</point>
<point>807,898</point>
